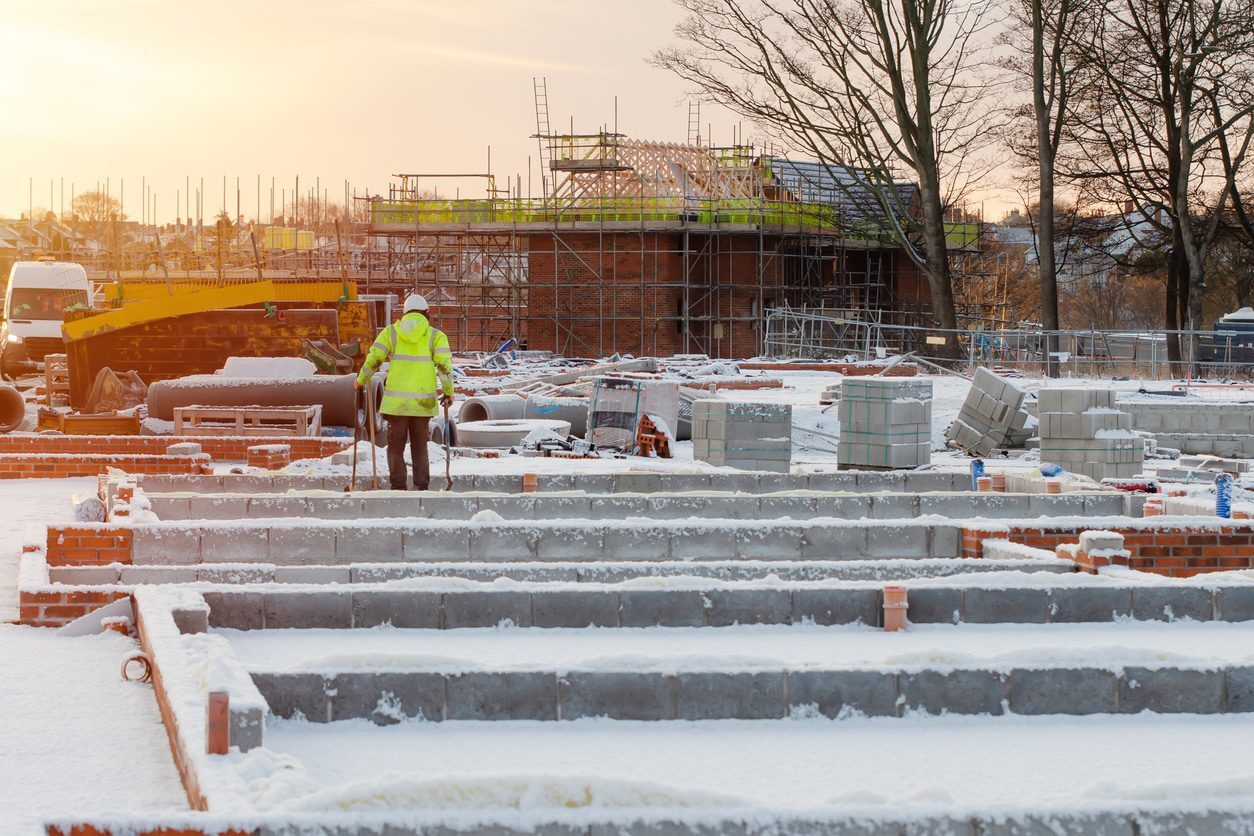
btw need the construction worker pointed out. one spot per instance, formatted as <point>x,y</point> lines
<point>418,355</point>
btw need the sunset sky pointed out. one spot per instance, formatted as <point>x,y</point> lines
<point>351,90</point>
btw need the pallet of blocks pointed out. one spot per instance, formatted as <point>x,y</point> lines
<point>992,416</point>
<point>884,423</point>
<point>749,436</point>
<point>1081,431</point>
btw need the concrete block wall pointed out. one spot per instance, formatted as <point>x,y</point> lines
<point>749,436</point>
<point>1082,432</point>
<point>885,423</point>
<point>219,448</point>
<point>992,415</point>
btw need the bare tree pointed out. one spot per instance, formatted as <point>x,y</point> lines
<point>869,88</point>
<point>95,211</point>
<point>1165,119</point>
<point>1046,60</point>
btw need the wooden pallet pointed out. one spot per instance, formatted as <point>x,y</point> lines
<point>106,423</point>
<point>56,380</point>
<point>257,421</point>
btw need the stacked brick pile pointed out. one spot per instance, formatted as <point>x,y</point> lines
<point>885,423</point>
<point>992,416</point>
<point>749,436</point>
<point>1082,432</point>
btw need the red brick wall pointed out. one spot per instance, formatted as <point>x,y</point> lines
<point>89,545</point>
<point>219,448</point>
<point>1164,549</point>
<point>56,609</point>
<point>38,465</point>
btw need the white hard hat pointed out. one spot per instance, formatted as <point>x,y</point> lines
<point>416,302</point>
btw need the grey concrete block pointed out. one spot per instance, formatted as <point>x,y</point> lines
<point>562,507</point>
<point>840,693</point>
<point>400,608</point>
<point>246,728</point>
<point>312,574</point>
<point>735,482</point>
<point>302,545</point>
<point>513,507</point>
<point>617,695</point>
<point>503,542</point>
<point>894,506</point>
<point>190,620</point>
<point>449,506</point>
<point>574,608</point>
<point>236,610</point>
<point>834,541</point>
<point>569,543</point>
<point>614,507</point>
<point>386,698</point>
<point>702,542</point>
<point>1002,606</point>
<point>683,482</point>
<point>90,575</point>
<point>369,544</point>
<point>379,506</point>
<point>637,483</point>
<point>1171,691</point>
<point>837,606</point>
<point>1239,689</point>
<point>1061,691</point>
<point>897,541</point>
<point>944,541</point>
<point>170,508</point>
<point>157,574</point>
<point>304,610</point>
<point>1088,603</point>
<point>1059,824</point>
<point>435,543</point>
<point>501,696</point>
<point>662,608</point>
<point>934,605</point>
<point>231,544</point>
<point>593,483</point>
<point>162,546</point>
<point>218,507</point>
<point>486,609</point>
<point>1170,603</point>
<point>768,542</point>
<point>234,574</point>
<point>735,696</point>
<point>1234,603</point>
<point>664,507</point>
<point>743,507</point>
<point>632,542</point>
<point>290,694</point>
<point>955,692</point>
<point>843,507</point>
<point>260,507</point>
<point>725,607</point>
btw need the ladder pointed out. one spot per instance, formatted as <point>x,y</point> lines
<point>694,123</point>
<point>543,132</point>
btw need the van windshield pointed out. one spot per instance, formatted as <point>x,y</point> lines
<point>43,302</point>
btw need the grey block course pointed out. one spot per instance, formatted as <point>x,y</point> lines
<point>380,696</point>
<point>443,543</point>
<point>1169,690</point>
<point>1235,603</point>
<point>304,610</point>
<point>837,693</point>
<point>501,696</point>
<point>725,607</point>
<point>235,545</point>
<point>1170,603</point>
<point>740,696</point>
<point>1086,603</point>
<point>837,606</point>
<point>368,545</point>
<point>954,692</point>
<point>165,546</point>
<point>996,606</point>
<point>1061,691</point>
<point>301,546</point>
<point>236,610</point>
<point>1239,689</point>
<point>662,608</point>
<point>288,694</point>
<point>372,608</point>
<point>499,542</point>
<point>620,695</point>
<point>768,542</point>
<point>587,608</point>
<point>934,605</point>
<point>485,609</point>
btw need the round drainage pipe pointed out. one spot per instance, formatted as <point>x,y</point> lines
<point>505,433</point>
<point>12,409</point>
<point>491,408</point>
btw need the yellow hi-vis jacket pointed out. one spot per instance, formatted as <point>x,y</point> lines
<point>417,354</point>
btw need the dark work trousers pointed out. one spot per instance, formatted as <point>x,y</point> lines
<point>417,432</point>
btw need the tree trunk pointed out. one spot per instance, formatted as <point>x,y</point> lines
<point>1171,319</point>
<point>1046,266</point>
<point>936,268</point>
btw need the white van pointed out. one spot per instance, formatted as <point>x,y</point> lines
<point>35,302</point>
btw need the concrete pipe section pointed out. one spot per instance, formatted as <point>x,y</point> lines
<point>334,393</point>
<point>505,433</point>
<point>491,408</point>
<point>574,410</point>
<point>12,409</point>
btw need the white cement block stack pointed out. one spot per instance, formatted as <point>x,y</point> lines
<point>1082,432</point>
<point>749,436</point>
<point>885,423</point>
<point>992,416</point>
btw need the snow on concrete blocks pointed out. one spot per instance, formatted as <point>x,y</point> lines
<point>749,436</point>
<point>1082,432</point>
<point>885,423</point>
<point>992,416</point>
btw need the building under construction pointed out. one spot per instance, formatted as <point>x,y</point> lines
<point>644,248</point>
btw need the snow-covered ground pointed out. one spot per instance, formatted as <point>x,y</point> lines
<point>74,738</point>
<point>27,506</point>
<point>751,647</point>
<point>884,767</point>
